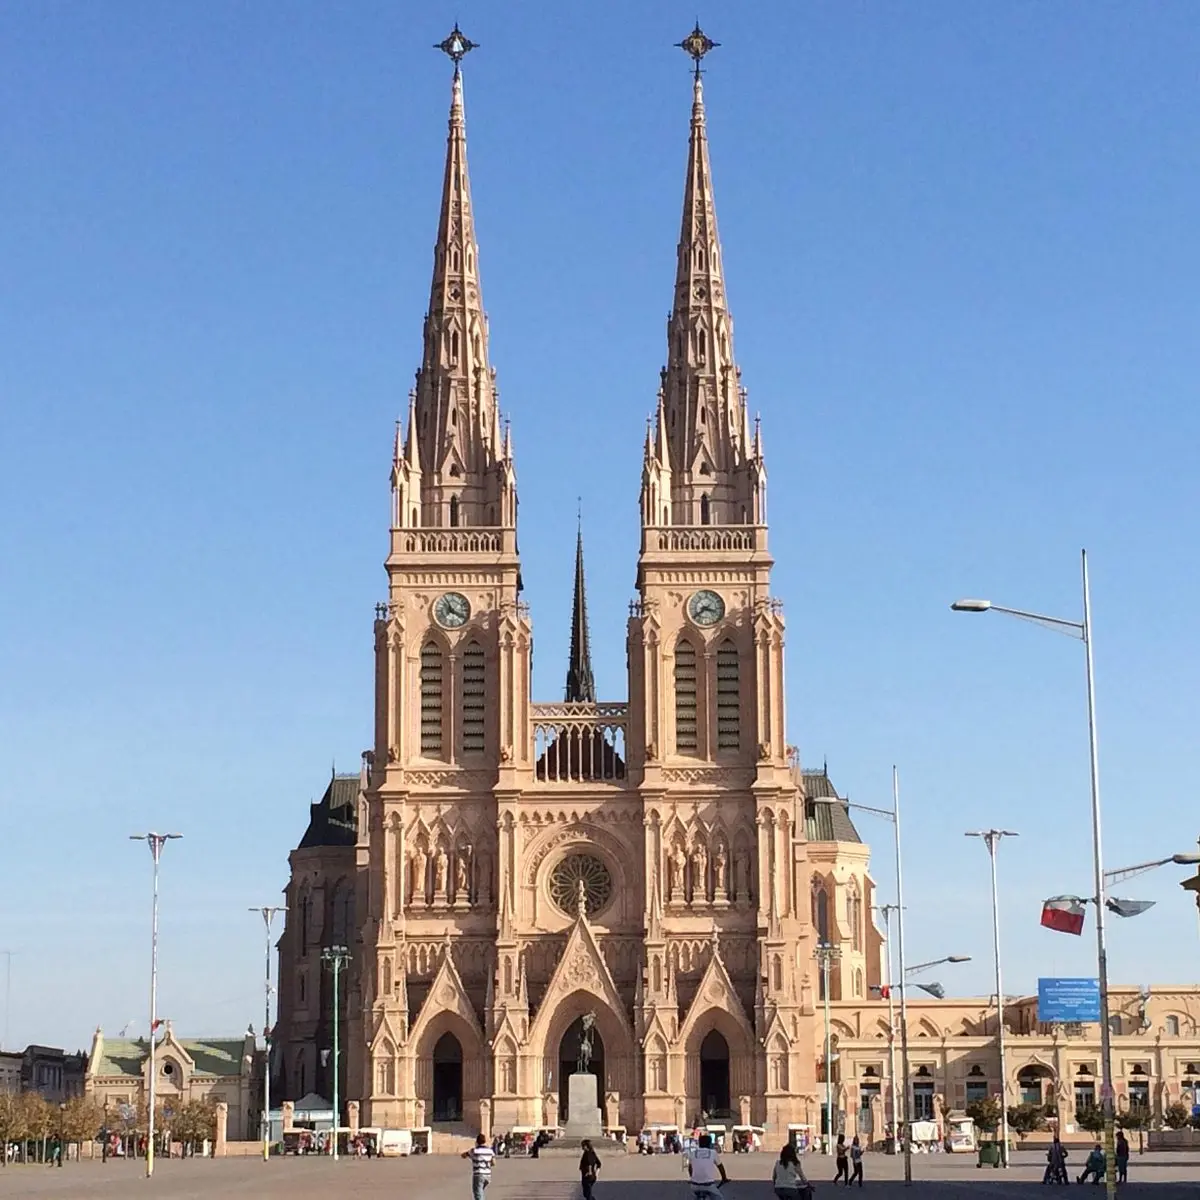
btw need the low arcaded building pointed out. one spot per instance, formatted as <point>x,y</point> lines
<point>219,1069</point>
<point>954,1059</point>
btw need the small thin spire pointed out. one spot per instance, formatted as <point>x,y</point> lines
<point>581,685</point>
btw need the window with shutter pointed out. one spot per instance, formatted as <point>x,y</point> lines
<point>685,698</point>
<point>431,700</point>
<point>473,700</point>
<point>729,713</point>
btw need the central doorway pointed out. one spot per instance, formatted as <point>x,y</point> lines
<point>568,1061</point>
<point>714,1074</point>
<point>447,1079</point>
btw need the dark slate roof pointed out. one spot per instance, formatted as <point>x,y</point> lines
<point>332,820</point>
<point>212,1056</point>
<point>826,815</point>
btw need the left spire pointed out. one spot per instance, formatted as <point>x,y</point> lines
<point>463,473</point>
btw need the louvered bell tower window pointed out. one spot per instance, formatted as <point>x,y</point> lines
<point>685,698</point>
<point>473,700</point>
<point>431,701</point>
<point>729,709</point>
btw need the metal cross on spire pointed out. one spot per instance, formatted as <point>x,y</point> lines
<point>697,44</point>
<point>456,47</point>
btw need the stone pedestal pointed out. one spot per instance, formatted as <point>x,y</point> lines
<point>485,1118</point>
<point>219,1143</point>
<point>287,1111</point>
<point>583,1109</point>
<point>352,1116</point>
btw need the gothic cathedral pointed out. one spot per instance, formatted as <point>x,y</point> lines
<point>661,862</point>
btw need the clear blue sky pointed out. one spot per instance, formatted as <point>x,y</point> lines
<point>962,258</point>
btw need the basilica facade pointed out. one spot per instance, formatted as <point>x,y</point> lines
<point>660,861</point>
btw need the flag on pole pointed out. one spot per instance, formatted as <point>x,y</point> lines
<point>1064,914</point>
<point>882,991</point>
<point>1127,908</point>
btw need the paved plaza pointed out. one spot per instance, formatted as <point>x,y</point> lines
<point>436,1177</point>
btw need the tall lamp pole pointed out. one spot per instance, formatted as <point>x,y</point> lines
<point>827,955</point>
<point>336,958</point>
<point>893,814</point>
<point>991,838</point>
<point>156,842</point>
<point>1083,631</point>
<point>268,913</point>
<point>890,990</point>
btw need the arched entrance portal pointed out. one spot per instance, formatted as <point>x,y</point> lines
<point>447,1079</point>
<point>714,1074</point>
<point>568,1062</point>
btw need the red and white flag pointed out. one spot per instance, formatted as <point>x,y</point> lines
<point>1063,913</point>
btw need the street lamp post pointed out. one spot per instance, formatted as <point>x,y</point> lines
<point>1083,631</point>
<point>336,958</point>
<point>156,842</point>
<point>268,913</point>
<point>827,955</point>
<point>991,838</point>
<point>893,814</point>
<point>887,910</point>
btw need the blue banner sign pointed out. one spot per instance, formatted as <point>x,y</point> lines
<point>1068,1000</point>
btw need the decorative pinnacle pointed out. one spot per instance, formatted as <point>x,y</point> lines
<point>457,46</point>
<point>697,44</point>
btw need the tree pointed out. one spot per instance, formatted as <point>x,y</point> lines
<point>985,1113</point>
<point>1135,1117</point>
<point>1177,1116</point>
<point>12,1123</point>
<point>40,1119</point>
<point>1024,1119</point>
<point>1090,1119</point>
<point>81,1119</point>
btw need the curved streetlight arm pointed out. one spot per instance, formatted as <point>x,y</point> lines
<point>937,962</point>
<point>1120,873</point>
<point>1074,629</point>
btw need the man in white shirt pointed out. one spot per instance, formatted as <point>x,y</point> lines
<point>482,1156</point>
<point>706,1170</point>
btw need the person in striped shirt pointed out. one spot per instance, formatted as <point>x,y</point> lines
<point>481,1156</point>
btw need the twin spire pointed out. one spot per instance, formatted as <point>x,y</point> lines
<point>453,466</point>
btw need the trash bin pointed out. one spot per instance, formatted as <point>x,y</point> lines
<point>989,1154</point>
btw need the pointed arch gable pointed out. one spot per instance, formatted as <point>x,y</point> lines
<point>447,1008</point>
<point>386,1031</point>
<point>717,1006</point>
<point>581,971</point>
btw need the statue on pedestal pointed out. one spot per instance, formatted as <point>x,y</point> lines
<point>584,1061</point>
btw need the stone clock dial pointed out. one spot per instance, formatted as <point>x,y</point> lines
<point>706,608</point>
<point>452,610</point>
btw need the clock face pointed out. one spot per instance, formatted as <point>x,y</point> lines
<point>706,608</point>
<point>452,610</point>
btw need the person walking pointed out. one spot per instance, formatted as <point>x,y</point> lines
<point>1122,1157</point>
<point>482,1156</point>
<point>788,1177</point>
<point>589,1164</point>
<point>856,1153</point>
<point>842,1160</point>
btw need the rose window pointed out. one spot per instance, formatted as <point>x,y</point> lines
<point>581,875</point>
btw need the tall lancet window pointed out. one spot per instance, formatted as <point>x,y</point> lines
<point>473,699</point>
<point>685,698</point>
<point>431,700</point>
<point>704,509</point>
<point>729,707</point>
<point>454,511</point>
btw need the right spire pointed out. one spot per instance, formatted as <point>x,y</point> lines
<point>702,465</point>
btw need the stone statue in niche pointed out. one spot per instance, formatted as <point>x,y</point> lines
<point>720,868</point>
<point>462,873</point>
<point>680,862</point>
<point>741,873</point>
<point>418,861</point>
<point>699,872</point>
<point>672,876</point>
<point>440,865</point>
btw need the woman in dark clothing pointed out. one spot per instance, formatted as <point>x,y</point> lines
<point>843,1160</point>
<point>589,1164</point>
